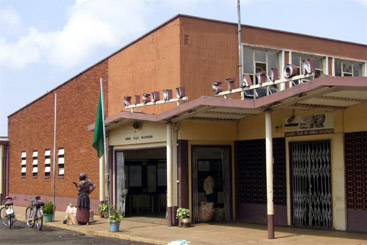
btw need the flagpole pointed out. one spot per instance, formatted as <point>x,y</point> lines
<point>105,148</point>
<point>54,158</point>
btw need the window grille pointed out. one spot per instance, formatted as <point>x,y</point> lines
<point>61,161</point>
<point>35,163</point>
<point>47,163</point>
<point>23,163</point>
<point>252,172</point>
<point>356,170</point>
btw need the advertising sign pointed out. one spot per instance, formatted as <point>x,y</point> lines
<point>309,125</point>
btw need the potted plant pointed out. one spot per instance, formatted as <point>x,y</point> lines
<point>114,219</point>
<point>183,214</point>
<point>103,208</point>
<point>48,211</point>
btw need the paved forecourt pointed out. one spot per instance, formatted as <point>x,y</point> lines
<point>155,231</point>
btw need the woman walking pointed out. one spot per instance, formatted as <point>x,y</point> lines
<point>85,187</point>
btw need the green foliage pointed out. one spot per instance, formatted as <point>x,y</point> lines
<point>103,207</point>
<point>183,213</point>
<point>48,208</point>
<point>115,216</point>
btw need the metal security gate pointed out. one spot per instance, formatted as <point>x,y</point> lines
<point>311,184</point>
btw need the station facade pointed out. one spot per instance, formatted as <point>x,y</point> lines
<point>160,156</point>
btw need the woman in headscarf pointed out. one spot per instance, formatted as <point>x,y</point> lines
<point>85,187</point>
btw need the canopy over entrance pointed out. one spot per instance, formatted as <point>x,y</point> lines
<point>325,93</point>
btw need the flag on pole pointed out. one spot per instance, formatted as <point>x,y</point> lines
<point>98,141</point>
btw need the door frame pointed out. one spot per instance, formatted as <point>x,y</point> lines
<point>115,152</point>
<point>225,147</point>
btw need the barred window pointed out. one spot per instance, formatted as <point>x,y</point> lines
<point>23,164</point>
<point>35,164</point>
<point>61,156</point>
<point>47,163</point>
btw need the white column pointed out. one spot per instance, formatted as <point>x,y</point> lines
<point>290,62</point>
<point>325,65</point>
<point>1,168</point>
<point>333,65</point>
<point>101,180</point>
<point>269,174</point>
<point>169,173</point>
<point>364,69</point>
<point>281,67</point>
<point>174,167</point>
<point>338,182</point>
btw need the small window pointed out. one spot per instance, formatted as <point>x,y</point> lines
<point>47,163</point>
<point>345,68</point>
<point>35,164</point>
<point>61,156</point>
<point>257,61</point>
<point>23,164</point>
<point>297,59</point>
<point>356,69</point>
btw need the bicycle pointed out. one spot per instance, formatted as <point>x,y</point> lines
<point>7,214</point>
<point>34,213</point>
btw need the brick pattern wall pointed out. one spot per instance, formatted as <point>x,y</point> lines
<point>31,128</point>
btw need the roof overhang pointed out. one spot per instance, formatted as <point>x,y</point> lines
<point>4,141</point>
<point>325,93</point>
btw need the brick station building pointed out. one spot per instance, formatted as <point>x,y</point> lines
<point>318,129</point>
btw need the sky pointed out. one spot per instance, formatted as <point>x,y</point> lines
<point>44,43</point>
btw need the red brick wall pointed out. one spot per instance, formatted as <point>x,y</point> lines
<point>31,128</point>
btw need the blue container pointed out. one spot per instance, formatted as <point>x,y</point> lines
<point>114,226</point>
<point>47,217</point>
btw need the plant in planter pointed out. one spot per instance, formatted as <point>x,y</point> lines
<point>114,219</point>
<point>183,214</point>
<point>103,208</point>
<point>48,211</point>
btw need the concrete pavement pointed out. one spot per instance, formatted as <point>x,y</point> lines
<point>155,230</point>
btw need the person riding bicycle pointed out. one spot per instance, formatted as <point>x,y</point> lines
<point>85,187</point>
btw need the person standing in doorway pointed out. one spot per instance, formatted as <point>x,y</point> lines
<point>84,188</point>
<point>209,189</point>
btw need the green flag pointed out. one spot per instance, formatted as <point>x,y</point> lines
<point>98,141</point>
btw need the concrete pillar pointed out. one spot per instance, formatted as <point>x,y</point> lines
<point>338,182</point>
<point>169,174</point>
<point>325,65</point>
<point>364,69</point>
<point>269,173</point>
<point>102,185</point>
<point>174,175</point>
<point>2,164</point>
<point>281,62</point>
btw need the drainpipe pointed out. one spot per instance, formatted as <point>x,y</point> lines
<point>169,174</point>
<point>269,173</point>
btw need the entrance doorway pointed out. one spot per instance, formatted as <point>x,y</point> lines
<point>141,182</point>
<point>311,184</point>
<point>211,183</point>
